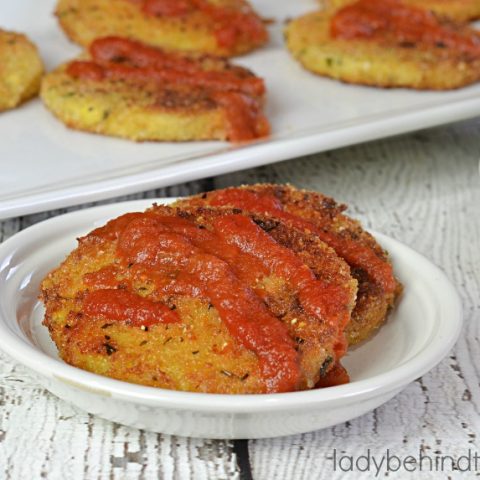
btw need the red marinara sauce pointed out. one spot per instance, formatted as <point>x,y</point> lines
<point>183,259</point>
<point>244,117</point>
<point>237,92</point>
<point>149,61</point>
<point>354,253</point>
<point>380,19</point>
<point>106,278</point>
<point>230,25</point>
<point>127,307</point>
<point>253,254</point>
<point>335,376</point>
<point>328,303</point>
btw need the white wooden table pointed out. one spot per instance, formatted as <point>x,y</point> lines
<point>424,190</point>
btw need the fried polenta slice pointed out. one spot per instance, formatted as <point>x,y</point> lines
<point>314,336</point>
<point>220,27</point>
<point>456,10</point>
<point>387,60</point>
<point>121,109</point>
<point>312,212</point>
<point>180,261</point>
<point>21,69</point>
<point>126,89</point>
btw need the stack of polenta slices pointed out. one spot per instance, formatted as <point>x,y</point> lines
<point>245,290</point>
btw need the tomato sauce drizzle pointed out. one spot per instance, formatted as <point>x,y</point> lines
<point>121,52</point>
<point>239,93</point>
<point>353,252</point>
<point>230,25</point>
<point>335,376</point>
<point>245,266</point>
<point>223,264</point>
<point>104,278</point>
<point>127,307</point>
<point>253,254</point>
<point>154,245</point>
<point>245,120</point>
<point>373,19</point>
<point>326,302</point>
<point>212,80</point>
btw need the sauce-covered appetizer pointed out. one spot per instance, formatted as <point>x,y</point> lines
<point>127,89</point>
<point>220,27</point>
<point>255,289</point>
<point>386,43</point>
<point>312,212</point>
<point>21,69</point>
<point>204,300</point>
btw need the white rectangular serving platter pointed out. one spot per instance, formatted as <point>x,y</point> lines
<point>44,165</point>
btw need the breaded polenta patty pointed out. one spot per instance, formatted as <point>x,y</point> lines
<point>201,300</point>
<point>386,43</point>
<point>219,27</point>
<point>456,10</point>
<point>316,214</point>
<point>21,69</point>
<point>125,89</point>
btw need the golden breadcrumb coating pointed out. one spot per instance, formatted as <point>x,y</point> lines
<point>379,62</point>
<point>155,102</point>
<point>21,69</point>
<point>85,20</point>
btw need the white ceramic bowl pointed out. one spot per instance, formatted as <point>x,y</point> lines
<point>417,336</point>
